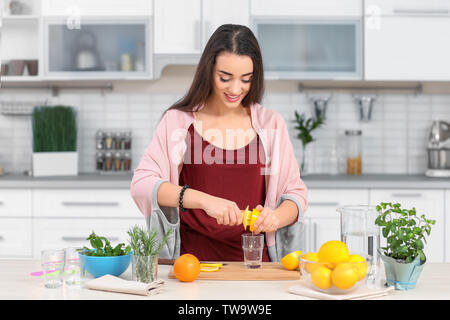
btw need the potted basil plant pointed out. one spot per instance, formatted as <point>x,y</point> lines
<point>146,248</point>
<point>54,141</point>
<point>405,232</point>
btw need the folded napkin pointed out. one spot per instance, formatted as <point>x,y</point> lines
<point>114,284</point>
<point>358,294</point>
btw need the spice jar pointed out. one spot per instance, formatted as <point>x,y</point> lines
<point>108,161</point>
<point>118,140</point>
<point>354,159</point>
<point>99,161</point>
<point>127,161</point>
<point>117,161</point>
<point>127,140</point>
<point>108,140</point>
<point>99,139</point>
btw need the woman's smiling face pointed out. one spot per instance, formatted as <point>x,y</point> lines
<point>232,76</point>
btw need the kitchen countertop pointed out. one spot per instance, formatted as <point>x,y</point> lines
<point>92,180</point>
<point>16,283</point>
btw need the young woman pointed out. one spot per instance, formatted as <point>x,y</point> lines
<point>217,151</point>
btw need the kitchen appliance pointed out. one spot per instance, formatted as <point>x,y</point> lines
<point>439,150</point>
<point>365,106</point>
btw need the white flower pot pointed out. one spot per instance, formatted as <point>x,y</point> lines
<point>45,164</point>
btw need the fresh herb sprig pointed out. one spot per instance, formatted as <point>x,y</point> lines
<point>404,231</point>
<point>102,247</point>
<point>144,243</point>
<point>306,126</point>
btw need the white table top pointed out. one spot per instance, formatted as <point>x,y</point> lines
<point>16,283</point>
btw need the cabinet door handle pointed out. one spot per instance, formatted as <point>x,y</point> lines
<point>73,239</point>
<point>324,204</point>
<point>420,11</point>
<point>87,203</point>
<point>407,195</point>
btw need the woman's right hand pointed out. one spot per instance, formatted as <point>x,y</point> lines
<point>226,212</point>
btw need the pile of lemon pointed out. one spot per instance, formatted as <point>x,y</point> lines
<point>332,265</point>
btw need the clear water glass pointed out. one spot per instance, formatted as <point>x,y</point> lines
<point>52,262</point>
<point>253,245</point>
<point>361,235</point>
<point>73,267</point>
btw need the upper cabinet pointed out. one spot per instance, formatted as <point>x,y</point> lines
<point>83,8</point>
<point>309,39</point>
<point>99,48</point>
<point>407,40</point>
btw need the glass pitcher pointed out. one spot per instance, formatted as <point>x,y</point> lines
<point>361,235</point>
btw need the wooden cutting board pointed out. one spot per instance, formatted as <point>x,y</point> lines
<point>237,271</point>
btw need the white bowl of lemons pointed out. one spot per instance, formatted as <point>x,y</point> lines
<point>333,269</point>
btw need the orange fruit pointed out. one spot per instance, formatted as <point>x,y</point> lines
<point>321,277</point>
<point>186,268</point>
<point>333,252</point>
<point>290,261</point>
<point>360,264</point>
<point>344,276</point>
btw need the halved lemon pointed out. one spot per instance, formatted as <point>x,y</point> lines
<point>290,261</point>
<point>210,267</point>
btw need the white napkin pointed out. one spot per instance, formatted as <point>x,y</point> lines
<point>359,294</point>
<point>114,284</point>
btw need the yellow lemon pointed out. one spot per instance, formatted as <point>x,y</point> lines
<point>333,252</point>
<point>312,257</point>
<point>290,261</point>
<point>360,265</point>
<point>249,218</point>
<point>321,277</point>
<point>255,215</point>
<point>344,276</point>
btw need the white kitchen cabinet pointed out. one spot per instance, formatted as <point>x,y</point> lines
<point>84,203</point>
<point>15,203</point>
<point>101,49</point>
<point>62,233</point>
<point>96,8</point>
<point>428,202</point>
<point>178,26</point>
<point>322,218</point>
<point>407,40</point>
<point>306,8</point>
<point>15,238</point>
<point>447,225</point>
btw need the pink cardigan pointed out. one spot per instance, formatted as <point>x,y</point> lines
<point>162,160</point>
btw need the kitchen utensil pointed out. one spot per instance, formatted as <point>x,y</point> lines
<point>320,106</point>
<point>16,67</point>
<point>361,235</point>
<point>354,158</point>
<point>253,245</point>
<point>52,262</point>
<point>365,106</point>
<point>439,150</point>
<point>235,270</point>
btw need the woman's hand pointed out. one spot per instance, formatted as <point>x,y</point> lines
<point>226,212</point>
<point>267,221</point>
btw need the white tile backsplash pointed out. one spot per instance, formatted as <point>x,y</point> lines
<point>394,141</point>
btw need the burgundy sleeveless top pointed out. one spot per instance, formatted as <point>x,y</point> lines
<point>230,174</point>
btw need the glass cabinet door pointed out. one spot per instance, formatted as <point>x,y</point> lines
<point>310,49</point>
<point>98,49</point>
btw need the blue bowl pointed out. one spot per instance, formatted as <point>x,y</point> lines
<point>99,266</point>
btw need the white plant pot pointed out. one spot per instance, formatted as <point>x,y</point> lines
<point>45,164</point>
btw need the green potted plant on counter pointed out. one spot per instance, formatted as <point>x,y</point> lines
<point>305,126</point>
<point>146,248</point>
<point>54,141</point>
<point>405,232</point>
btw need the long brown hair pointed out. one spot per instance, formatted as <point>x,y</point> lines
<point>232,38</point>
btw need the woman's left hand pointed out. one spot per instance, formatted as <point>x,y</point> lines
<point>267,221</point>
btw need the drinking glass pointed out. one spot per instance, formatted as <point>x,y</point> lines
<point>52,262</point>
<point>72,268</point>
<point>361,235</point>
<point>252,245</point>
